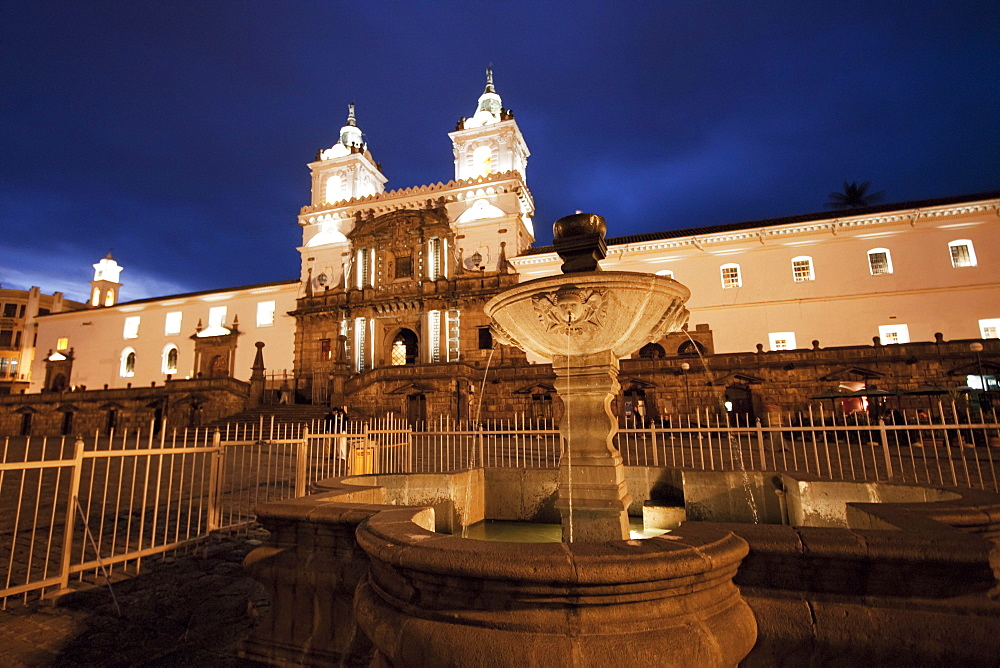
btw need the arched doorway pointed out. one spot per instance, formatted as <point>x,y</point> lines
<point>59,383</point>
<point>219,367</point>
<point>404,349</point>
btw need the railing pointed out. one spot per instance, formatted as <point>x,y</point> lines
<point>85,507</point>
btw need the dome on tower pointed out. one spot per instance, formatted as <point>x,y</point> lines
<point>490,109</point>
<point>351,139</point>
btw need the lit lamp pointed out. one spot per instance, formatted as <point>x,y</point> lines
<point>685,367</point>
<point>977,348</point>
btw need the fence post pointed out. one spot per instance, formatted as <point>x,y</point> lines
<point>214,487</point>
<point>74,495</point>
<point>301,461</point>
<point>883,434</point>
<point>760,445</point>
<point>652,431</point>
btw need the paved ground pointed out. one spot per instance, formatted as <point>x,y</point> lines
<point>191,608</point>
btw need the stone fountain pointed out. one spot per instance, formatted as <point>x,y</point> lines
<point>359,572</point>
<point>582,323</point>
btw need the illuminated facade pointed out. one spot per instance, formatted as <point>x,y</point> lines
<point>398,278</point>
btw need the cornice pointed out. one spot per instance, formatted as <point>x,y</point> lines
<point>396,199</point>
<point>762,235</point>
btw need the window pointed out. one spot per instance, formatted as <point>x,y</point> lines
<point>10,310</point>
<point>6,338</point>
<point>362,267</point>
<point>172,323</point>
<point>170,359</point>
<point>360,341</point>
<point>126,368</point>
<point>325,350</point>
<point>265,314</point>
<point>962,253</point>
<point>62,343</point>
<point>404,266</point>
<point>485,338</point>
<point>435,258</point>
<point>731,276</point>
<point>879,261</point>
<point>990,328</point>
<point>782,340</point>
<point>217,317</point>
<point>482,161</point>
<point>131,330</point>
<point>4,365</point>
<point>890,334</point>
<point>434,326</point>
<point>802,269</point>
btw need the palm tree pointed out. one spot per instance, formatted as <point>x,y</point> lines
<point>854,196</point>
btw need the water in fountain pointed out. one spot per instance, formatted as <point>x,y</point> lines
<point>747,487</point>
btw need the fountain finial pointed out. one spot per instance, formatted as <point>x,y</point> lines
<point>579,241</point>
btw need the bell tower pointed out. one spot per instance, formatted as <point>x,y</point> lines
<point>490,142</point>
<point>105,286</point>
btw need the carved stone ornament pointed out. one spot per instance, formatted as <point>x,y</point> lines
<point>570,310</point>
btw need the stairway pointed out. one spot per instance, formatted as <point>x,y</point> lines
<point>280,414</point>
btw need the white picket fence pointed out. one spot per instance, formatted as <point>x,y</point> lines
<point>82,508</point>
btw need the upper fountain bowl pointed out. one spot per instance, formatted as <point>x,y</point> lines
<point>588,312</point>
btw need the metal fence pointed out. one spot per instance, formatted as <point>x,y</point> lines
<point>88,507</point>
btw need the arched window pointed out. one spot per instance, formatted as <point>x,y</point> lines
<point>962,253</point>
<point>879,261</point>
<point>482,161</point>
<point>404,348</point>
<point>126,368</point>
<point>731,277</point>
<point>652,351</point>
<point>691,348</point>
<point>95,300</point>
<point>169,364</point>
<point>336,188</point>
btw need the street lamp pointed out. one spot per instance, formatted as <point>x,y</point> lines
<point>977,348</point>
<point>685,367</point>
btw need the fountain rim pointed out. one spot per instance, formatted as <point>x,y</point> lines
<point>691,553</point>
<point>587,279</point>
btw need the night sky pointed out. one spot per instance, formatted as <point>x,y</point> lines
<point>177,133</point>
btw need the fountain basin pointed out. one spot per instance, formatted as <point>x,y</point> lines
<point>587,313</point>
<point>432,599</point>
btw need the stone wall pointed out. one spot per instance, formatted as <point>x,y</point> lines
<point>181,403</point>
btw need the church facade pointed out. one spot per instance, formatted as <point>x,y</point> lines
<point>387,313</point>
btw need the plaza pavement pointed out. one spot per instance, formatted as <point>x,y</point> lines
<point>191,608</point>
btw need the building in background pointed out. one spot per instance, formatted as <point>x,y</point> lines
<point>19,312</point>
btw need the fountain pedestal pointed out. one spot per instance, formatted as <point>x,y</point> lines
<point>593,497</point>
<point>584,323</point>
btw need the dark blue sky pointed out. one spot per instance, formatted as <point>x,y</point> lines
<point>177,133</point>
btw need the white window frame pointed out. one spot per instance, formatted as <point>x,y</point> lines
<point>165,356</point>
<point>131,328</point>
<point>893,334</point>
<point>217,316</point>
<point>969,260</point>
<point>781,341</point>
<point>804,276</point>
<point>989,328</point>
<point>265,313</point>
<point>729,282</point>
<point>123,370</point>
<point>360,344</point>
<point>434,338</point>
<point>888,261</point>
<point>437,253</point>
<point>172,322</point>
